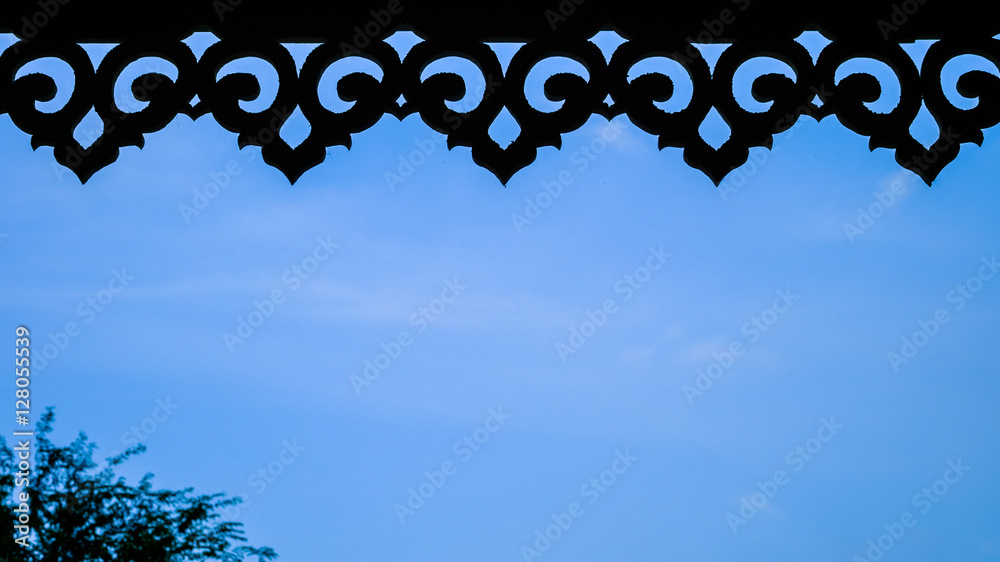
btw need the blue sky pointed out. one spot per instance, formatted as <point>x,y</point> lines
<point>278,419</point>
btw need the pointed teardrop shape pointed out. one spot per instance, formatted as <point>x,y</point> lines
<point>714,130</point>
<point>504,129</point>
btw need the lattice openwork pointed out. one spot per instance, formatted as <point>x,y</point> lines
<point>752,28</point>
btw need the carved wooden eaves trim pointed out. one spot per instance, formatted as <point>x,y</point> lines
<point>675,30</point>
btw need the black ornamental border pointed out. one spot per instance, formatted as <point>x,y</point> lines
<point>750,28</point>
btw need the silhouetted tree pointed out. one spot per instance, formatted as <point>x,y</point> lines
<point>80,514</point>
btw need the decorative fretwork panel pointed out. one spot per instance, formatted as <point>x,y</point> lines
<point>562,29</point>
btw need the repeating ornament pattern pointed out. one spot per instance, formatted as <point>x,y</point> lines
<point>403,89</point>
